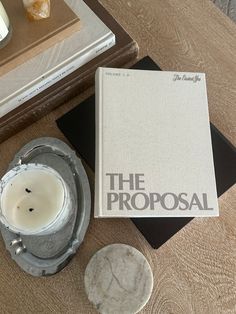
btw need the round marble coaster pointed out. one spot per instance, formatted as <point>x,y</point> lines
<point>118,279</point>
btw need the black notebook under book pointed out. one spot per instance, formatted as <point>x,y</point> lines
<point>78,126</point>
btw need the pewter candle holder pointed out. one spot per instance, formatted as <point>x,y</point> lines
<point>47,252</point>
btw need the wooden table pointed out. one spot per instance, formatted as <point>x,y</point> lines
<point>194,272</point>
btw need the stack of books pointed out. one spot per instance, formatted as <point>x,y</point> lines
<point>48,77</point>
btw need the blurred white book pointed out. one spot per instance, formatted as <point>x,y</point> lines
<point>55,63</point>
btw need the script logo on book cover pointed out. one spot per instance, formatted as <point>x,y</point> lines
<point>184,77</point>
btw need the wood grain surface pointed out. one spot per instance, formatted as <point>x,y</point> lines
<point>195,271</point>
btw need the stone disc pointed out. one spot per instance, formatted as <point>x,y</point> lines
<point>118,279</point>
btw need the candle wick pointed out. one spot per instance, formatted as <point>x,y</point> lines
<point>31,209</point>
<point>28,191</point>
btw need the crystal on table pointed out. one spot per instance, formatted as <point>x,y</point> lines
<point>37,9</point>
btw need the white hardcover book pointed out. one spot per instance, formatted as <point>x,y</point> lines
<point>153,145</point>
<point>50,66</point>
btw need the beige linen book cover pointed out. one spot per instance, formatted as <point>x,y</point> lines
<point>153,145</point>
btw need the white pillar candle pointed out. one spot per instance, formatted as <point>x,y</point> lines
<point>4,23</point>
<point>32,197</point>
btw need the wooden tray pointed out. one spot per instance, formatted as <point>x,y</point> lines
<point>124,52</point>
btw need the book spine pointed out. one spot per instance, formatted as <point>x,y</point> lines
<point>98,140</point>
<point>57,75</point>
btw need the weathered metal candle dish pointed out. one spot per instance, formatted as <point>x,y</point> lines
<point>44,206</point>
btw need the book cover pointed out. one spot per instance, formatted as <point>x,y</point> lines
<point>48,67</point>
<point>153,145</point>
